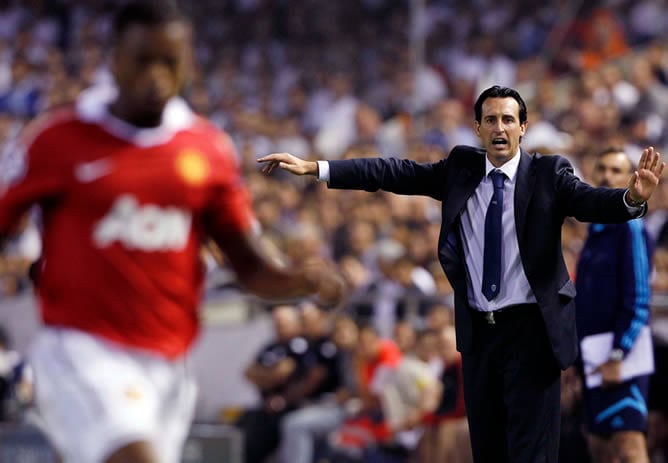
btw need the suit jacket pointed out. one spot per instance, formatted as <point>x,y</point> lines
<point>546,192</point>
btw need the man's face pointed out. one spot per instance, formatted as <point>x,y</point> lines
<point>612,170</point>
<point>313,322</point>
<point>499,129</point>
<point>150,64</point>
<point>368,345</point>
<point>287,323</point>
<point>427,347</point>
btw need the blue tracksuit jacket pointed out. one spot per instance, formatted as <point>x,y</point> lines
<point>612,282</point>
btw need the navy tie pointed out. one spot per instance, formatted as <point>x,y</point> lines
<point>491,271</point>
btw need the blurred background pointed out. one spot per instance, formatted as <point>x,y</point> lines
<point>340,79</point>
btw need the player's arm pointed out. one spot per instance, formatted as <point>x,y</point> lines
<point>633,309</point>
<point>401,176</point>
<point>259,272</point>
<point>229,221</point>
<point>31,172</point>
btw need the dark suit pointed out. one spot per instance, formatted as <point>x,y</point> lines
<point>546,191</point>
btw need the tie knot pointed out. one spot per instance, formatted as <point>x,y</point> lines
<point>498,177</point>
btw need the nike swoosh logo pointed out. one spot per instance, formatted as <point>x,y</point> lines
<point>88,172</point>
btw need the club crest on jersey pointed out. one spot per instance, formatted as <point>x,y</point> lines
<point>144,227</point>
<point>192,166</point>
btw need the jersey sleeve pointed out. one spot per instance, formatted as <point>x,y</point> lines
<point>634,297</point>
<point>30,174</point>
<point>229,207</point>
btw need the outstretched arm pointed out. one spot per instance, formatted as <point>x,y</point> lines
<point>401,176</point>
<point>608,205</point>
<point>290,163</point>
<point>260,273</point>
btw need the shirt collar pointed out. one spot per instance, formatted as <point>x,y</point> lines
<point>509,168</point>
<point>93,106</point>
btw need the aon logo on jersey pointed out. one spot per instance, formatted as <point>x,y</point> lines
<point>147,227</point>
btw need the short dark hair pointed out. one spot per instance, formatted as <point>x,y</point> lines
<point>500,92</point>
<point>146,13</point>
<point>610,150</point>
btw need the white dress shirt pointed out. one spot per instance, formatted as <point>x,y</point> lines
<point>515,288</point>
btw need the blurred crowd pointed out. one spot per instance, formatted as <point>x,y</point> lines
<point>350,78</point>
<point>338,391</point>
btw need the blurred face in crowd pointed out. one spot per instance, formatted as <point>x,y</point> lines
<point>439,317</point>
<point>426,347</point>
<point>404,336</point>
<point>500,129</point>
<point>149,64</point>
<point>368,345</point>
<point>345,333</point>
<point>286,322</point>
<point>314,322</point>
<point>612,170</point>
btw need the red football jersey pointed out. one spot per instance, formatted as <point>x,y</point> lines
<point>124,213</point>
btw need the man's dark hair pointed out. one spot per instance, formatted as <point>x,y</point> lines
<point>500,92</point>
<point>609,150</point>
<point>145,13</point>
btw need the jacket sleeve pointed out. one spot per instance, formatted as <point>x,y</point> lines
<point>586,203</point>
<point>401,176</point>
<point>634,291</point>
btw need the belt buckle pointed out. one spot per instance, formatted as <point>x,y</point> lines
<point>489,318</point>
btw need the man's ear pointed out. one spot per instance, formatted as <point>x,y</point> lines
<point>476,128</point>
<point>523,128</point>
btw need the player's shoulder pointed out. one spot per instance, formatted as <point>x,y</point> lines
<point>49,124</point>
<point>218,142</point>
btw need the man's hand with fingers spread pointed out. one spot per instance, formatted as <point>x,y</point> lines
<point>287,161</point>
<point>645,179</point>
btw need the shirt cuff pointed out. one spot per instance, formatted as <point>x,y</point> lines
<point>323,172</point>
<point>632,209</point>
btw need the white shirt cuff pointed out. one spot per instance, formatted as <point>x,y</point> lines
<point>632,209</point>
<point>323,171</point>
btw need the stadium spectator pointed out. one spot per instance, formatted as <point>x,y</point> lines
<point>280,365</point>
<point>318,411</point>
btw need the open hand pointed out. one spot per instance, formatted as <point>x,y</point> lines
<point>645,179</point>
<point>287,161</point>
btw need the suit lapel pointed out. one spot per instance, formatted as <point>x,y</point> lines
<point>523,190</point>
<point>466,182</point>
